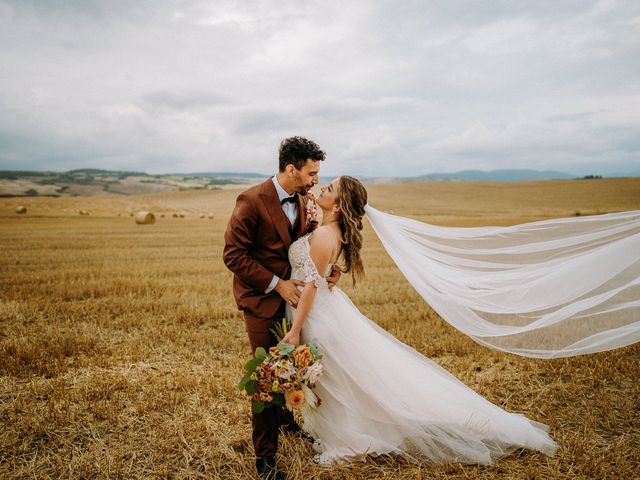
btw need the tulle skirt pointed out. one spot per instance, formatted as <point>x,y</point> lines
<point>380,396</point>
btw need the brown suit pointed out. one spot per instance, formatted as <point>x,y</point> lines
<point>256,248</point>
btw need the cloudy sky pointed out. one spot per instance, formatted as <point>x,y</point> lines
<point>385,87</point>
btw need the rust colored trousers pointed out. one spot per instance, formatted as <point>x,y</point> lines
<point>266,424</point>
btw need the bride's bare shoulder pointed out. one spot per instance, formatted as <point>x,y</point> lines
<point>323,237</point>
<point>323,244</point>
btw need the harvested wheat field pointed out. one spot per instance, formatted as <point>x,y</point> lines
<point>121,346</point>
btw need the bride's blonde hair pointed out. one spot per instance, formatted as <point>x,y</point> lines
<point>352,198</point>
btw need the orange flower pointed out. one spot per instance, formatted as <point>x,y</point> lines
<point>265,397</point>
<point>302,356</point>
<point>274,352</point>
<point>295,398</point>
<point>287,386</point>
<point>264,385</point>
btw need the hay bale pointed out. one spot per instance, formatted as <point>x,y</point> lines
<point>145,218</point>
<point>182,215</point>
<point>202,215</point>
<point>83,212</point>
<point>175,215</point>
<point>21,209</point>
<point>162,215</point>
<point>210,216</point>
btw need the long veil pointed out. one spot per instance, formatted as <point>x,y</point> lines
<point>553,288</point>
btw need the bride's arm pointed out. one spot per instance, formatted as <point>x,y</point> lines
<point>322,243</point>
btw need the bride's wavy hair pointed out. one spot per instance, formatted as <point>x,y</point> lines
<point>352,198</point>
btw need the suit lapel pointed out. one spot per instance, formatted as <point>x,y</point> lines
<point>271,200</point>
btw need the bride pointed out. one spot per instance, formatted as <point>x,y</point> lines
<point>379,396</point>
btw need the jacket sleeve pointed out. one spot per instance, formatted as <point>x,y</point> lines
<point>238,240</point>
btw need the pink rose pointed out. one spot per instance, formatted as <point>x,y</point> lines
<point>312,211</point>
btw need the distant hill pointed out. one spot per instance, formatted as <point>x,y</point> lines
<point>98,171</point>
<point>498,175</point>
<point>221,175</point>
<point>93,181</point>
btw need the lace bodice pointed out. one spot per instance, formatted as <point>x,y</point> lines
<point>302,266</point>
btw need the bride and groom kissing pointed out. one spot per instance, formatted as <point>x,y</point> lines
<point>284,264</point>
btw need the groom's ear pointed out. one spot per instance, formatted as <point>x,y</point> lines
<point>290,169</point>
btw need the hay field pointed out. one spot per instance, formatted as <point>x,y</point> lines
<point>121,346</point>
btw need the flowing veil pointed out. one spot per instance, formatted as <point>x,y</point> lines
<point>546,289</point>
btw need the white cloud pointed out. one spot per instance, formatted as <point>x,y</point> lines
<point>384,87</point>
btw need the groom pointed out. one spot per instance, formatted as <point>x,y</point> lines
<point>266,220</point>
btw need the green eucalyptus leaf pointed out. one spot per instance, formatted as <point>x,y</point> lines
<point>313,348</point>
<point>261,354</point>
<point>251,387</point>
<point>286,348</point>
<point>245,379</point>
<point>251,365</point>
<point>257,406</point>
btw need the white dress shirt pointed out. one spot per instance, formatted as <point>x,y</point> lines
<point>291,211</point>
<point>288,208</point>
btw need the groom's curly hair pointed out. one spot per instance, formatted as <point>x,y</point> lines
<point>296,151</point>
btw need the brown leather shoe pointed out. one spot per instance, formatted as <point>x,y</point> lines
<point>267,469</point>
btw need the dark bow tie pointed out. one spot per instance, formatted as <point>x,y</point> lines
<point>292,199</point>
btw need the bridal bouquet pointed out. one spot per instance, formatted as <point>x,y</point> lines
<point>286,375</point>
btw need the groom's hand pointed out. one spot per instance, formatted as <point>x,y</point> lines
<point>288,290</point>
<point>334,277</point>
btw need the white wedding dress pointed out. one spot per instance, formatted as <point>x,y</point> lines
<point>379,396</point>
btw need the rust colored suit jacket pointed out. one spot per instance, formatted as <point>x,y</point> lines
<point>256,247</point>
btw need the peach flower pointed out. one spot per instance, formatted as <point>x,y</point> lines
<point>295,398</point>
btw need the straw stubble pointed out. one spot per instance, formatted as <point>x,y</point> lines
<point>121,346</point>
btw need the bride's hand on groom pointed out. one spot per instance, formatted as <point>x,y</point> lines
<point>288,290</point>
<point>333,278</point>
